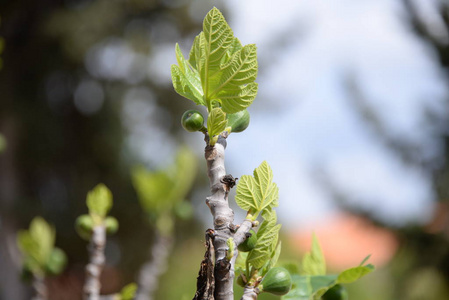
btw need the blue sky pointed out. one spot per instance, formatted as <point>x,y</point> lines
<point>317,130</point>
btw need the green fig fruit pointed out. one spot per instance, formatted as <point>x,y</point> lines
<point>192,120</point>
<point>84,225</point>
<point>238,121</point>
<point>277,281</point>
<point>56,262</point>
<point>111,225</point>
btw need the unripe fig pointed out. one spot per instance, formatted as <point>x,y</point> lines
<point>192,120</point>
<point>56,262</point>
<point>238,121</point>
<point>337,292</point>
<point>249,243</point>
<point>277,281</point>
<point>84,225</point>
<point>111,225</point>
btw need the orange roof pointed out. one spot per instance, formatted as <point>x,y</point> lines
<point>346,240</point>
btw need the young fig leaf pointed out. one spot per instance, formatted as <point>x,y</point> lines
<point>216,124</point>
<point>257,193</point>
<point>313,262</point>
<point>219,68</point>
<point>186,79</point>
<point>99,200</point>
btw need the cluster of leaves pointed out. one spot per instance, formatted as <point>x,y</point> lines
<point>258,195</point>
<point>40,256</point>
<point>99,202</point>
<point>312,283</point>
<point>220,73</point>
<point>161,193</point>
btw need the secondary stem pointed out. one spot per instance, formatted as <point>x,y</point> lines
<point>40,288</point>
<point>152,270</point>
<point>97,258</point>
<point>250,293</point>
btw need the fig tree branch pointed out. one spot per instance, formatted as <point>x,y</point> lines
<point>97,259</point>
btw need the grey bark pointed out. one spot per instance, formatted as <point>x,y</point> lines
<point>241,234</point>
<point>151,271</point>
<point>224,229</point>
<point>40,288</point>
<point>250,293</point>
<point>223,218</point>
<point>97,244</point>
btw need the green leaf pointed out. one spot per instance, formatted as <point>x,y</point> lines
<point>36,244</point>
<point>275,255</point>
<point>267,239</point>
<point>152,189</point>
<point>312,287</point>
<point>235,46</point>
<point>218,37</point>
<point>218,69</point>
<point>99,200</point>
<point>30,251</point>
<point>234,86</point>
<point>291,266</point>
<point>238,98</point>
<point>160,191</point>
<point>230,245</point>
<point>128,291</point>
<point>301,288</point>
<point>306,287</point>
<point>246,192</point>
<point>365,260</point>
<point>196,55</point>
<point>267,188</point>
<point>240,262</point>
<point>353,274</point>
<point>257,193</point>
<point>313,262</point>
<point>184,174</point>
<point>44,234</point>
<point>186,79</point>
<point>216,123</point>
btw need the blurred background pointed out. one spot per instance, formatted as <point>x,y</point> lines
<point>352,115</point>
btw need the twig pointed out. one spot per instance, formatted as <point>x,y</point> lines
<point>97,259</point>
<point>151,271</point>
<point>250,293</point>
<point>40,288</point>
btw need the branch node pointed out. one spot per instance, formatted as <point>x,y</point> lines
<point>233,227</point>
<point>219,222</point>
<point>229,181</point>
